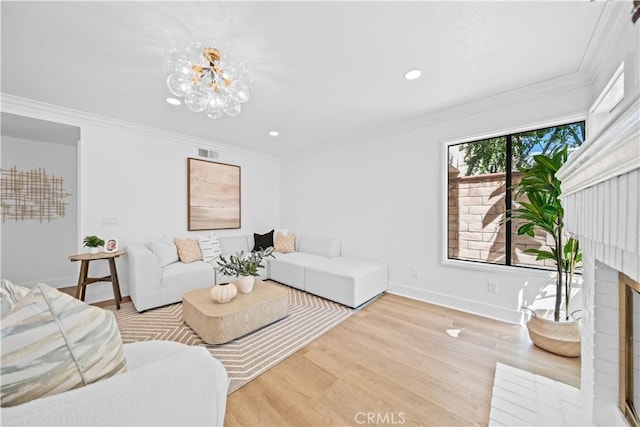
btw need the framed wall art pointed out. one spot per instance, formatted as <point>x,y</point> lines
<point>213,194</point>
<point>111,245</point>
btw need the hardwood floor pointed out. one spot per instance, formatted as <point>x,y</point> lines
<point>71,290</point>
<point>395,362</point>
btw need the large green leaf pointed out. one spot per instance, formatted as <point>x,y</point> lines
<point>526,229</point>
<point>550,164</point>
<point>542,254</point>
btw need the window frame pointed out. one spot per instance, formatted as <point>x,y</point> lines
<point>444,185</point>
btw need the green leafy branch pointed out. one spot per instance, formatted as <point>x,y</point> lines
<point>244,264</point>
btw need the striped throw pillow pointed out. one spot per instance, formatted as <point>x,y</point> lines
<point>10,294</point>
<point>210,248</point>
<point>52,342</point>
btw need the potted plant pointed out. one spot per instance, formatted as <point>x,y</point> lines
<point>93,243</point>
<point>244,266</point>
<point>543,210</point>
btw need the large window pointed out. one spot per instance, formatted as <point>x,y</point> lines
<point>481,174</point>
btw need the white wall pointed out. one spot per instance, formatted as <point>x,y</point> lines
<point>34,251</point>
<point>139,176</point>
<point>141,180</point>
<point>383,198</point>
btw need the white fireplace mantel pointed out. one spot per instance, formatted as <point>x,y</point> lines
<point>613,151</point>
<point>600,192</point>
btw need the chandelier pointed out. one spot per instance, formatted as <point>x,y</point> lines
<point>205,79</point>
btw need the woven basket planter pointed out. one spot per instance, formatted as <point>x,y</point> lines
<point>561,338</point>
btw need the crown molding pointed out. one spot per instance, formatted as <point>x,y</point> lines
<point>44,111</point>
<point>607,32</point>
<point>614,151</point>
<point>505,99</point>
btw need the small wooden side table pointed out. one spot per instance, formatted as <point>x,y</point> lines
<point>84,280</point>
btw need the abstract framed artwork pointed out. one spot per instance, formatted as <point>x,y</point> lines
<point>213,194</point>
<point>32,194</point>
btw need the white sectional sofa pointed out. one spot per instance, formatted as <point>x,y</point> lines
<point>153,285</point>
<point>290,268</point>
<point>347,280</point>
<point>316,267</point>
<point>166,383</point>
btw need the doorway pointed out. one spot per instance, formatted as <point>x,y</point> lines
<point>39,224</point>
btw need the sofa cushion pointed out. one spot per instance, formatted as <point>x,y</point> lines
<point>210,248</point>
<point>323,246</point>
<point>179,273</point>
<point>165,251</point>
<point>285,243</point>
<point>234,244</point>
<point>188,250</point>
<point>52,342</point>
<point>289,268</point>
<point>262,241</point>
<point>10,295</point>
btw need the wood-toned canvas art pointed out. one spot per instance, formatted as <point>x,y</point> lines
<point>214,195</point>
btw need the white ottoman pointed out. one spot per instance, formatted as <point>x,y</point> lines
<point>349,281</point>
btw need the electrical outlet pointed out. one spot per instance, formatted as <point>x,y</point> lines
<point>416,273</point>
<point>492,287</point>
<point>109,221</point>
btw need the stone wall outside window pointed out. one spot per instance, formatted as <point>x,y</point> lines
<point>476,207</point>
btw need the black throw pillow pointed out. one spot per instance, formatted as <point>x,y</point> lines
<point>262,241</point>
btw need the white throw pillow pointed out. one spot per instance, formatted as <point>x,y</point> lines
<point>210,248</point>
<point>165,251</point>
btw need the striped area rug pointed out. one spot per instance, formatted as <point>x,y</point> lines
<point>246,357</point>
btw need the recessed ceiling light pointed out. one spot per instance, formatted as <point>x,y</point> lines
<point>413,74</point>
<point>274,133</point>
<point>173,101</point>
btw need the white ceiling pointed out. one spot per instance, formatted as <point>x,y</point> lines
<point>324,72</point>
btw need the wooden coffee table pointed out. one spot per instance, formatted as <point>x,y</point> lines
<point>218,323</point>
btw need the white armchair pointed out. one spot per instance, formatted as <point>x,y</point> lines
<point>166,383</point>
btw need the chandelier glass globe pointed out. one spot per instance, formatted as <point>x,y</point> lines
<point>207,83</point>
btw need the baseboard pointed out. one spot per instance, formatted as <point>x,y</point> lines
<point>485,310</point>
<point>71,290</point>
<point>58,282</point>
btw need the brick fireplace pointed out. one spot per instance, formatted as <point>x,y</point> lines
<point>601,185</point>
